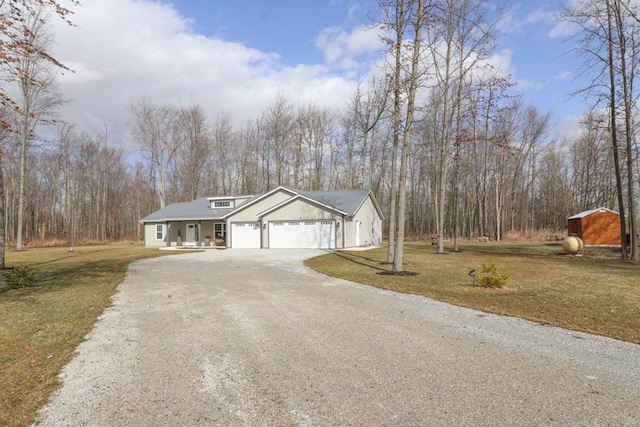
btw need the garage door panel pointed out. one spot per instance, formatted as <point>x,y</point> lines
<point>318,234</point>
<point>245,235</point>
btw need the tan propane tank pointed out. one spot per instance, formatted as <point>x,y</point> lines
<point>572,245</point>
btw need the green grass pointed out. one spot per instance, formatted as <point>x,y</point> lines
<point>41,326</point>
<point>594,292</point>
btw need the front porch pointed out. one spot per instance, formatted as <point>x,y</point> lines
<point>196,234</point>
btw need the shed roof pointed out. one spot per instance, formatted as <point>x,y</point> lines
<point>592,211</point>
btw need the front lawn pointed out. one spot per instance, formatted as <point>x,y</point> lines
<point>41,326</point>
<point>593,292</point>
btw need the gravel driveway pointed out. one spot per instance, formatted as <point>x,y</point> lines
<point>252,337</point>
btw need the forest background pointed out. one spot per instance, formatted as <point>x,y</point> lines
<point>479,160</point>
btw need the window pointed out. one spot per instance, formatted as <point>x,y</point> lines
<point>159,232</point>
<point>222,204</point>
<point>220,230</point>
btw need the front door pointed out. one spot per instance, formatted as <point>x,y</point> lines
<point>191,233</point>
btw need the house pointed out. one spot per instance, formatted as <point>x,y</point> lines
<point>596,227</point>
<point>282,218</point>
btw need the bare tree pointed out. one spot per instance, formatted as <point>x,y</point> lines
<point>459,37</point>
<point>37,99</point>
<point>225,154</point>
<point>419,20</point>
<point>3,225</point>
<point>249,162</point>
<point>314,125</point>
<point>158,132</point>
<point>607,41</point>
<point>18,19</point>
<point>277,127</point>
<point>395,19</point>
<point>553,201</point>
<point>193,154</point>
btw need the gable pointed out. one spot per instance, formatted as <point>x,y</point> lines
<point>250,210</point>
<point>300,208</point>
<point>227,202</point>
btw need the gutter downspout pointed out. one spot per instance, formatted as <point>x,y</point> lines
<point>344,233</point>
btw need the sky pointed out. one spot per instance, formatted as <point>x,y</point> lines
<point>233,57</point>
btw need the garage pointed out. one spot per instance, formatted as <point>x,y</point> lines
<point>312,234</point>
<point>245,235</point>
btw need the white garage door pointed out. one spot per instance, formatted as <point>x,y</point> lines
<point>245,235</point>
<point>302,234</point>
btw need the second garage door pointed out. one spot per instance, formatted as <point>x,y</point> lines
<point>319,234</point>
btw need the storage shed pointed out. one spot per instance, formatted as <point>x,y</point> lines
<point>596,227</point>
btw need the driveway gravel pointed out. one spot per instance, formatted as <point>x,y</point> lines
<point>253,338</point>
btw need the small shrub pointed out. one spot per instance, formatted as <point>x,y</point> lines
<point>19,277</point>
<point>490,277</point>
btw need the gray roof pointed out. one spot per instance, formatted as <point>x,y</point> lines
<point>589,212</point>
<point>344,200</point>
<point>348,201</point>
<point>197,209</point>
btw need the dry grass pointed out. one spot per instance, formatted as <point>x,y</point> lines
<point>595,292</point>
<point>41,326</point>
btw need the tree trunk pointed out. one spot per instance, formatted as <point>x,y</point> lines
<point>400,14</point>
<point>614,135</point>
<point>406,139</point>
<point>2,217</point>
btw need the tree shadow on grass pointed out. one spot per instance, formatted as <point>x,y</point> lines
<point>361,261</point>
<point>398,273</point>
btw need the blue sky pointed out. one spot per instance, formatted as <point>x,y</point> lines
<point>232,57</point>
<point>540,60</point>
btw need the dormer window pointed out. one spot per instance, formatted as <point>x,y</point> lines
<point>222,204</point>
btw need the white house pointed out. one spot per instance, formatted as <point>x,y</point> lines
<point>282,218</point>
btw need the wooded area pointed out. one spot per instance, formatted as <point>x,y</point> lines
<point>479,160</point>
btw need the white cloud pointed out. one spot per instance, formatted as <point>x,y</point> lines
<point>519,21</point>
<point>345,48</point>
<point>563,75</point>
<point>501,61</point>
<point>124,50</point>
<point>568,127</point>
<point>563,29</point>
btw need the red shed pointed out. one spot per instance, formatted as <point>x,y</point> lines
<point>596,227</point>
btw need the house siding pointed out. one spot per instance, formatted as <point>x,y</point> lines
<point>250,213</point>
<point>370,229</point>
<point>150,235</point>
